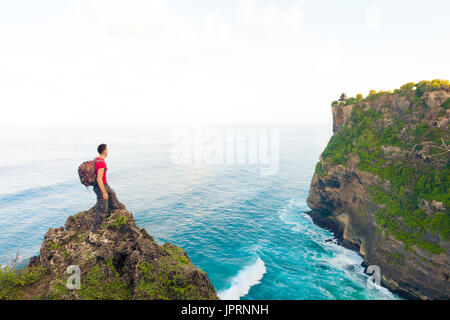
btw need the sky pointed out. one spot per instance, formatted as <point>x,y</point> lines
<point>150,62</point>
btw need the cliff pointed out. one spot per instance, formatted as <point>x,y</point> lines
<point>382,185</point>
<point>121,261</point>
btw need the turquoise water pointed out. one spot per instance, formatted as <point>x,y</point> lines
<point>247,231</point>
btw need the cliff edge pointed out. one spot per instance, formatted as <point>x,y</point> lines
<point>382,185</point>
<point>121,261</point>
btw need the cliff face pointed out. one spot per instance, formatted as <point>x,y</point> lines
<point>382,185</point>
<point>121,261</point>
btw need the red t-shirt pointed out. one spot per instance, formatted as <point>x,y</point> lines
<point>99,165</point>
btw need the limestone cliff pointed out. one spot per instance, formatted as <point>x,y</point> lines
<point>121,261</point>
<point>382,185</point>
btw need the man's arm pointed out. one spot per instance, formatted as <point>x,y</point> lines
<point>100,183</point>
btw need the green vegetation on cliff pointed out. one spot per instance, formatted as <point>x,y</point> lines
<point>119,262</point>
<point>160,281</point>
<point>418,89</point>
<point>13,280</point>
<point>409,152</point>
<point>101,282</point>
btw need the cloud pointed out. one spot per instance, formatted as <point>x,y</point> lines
<point>283,19</point>
<point>132,16</point>
<point>330,59</point>
<point>217,31</point>
<point>373,17</point>
<point>271,16</point>
<point>148,61</point>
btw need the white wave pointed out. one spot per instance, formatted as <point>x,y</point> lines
<point>384,292</point>
<point>286,215</point>
<point>337,257</point>
<point>342,258</point>
<point>350,262</point>
<point>294,215</point>
<point>244,280</point>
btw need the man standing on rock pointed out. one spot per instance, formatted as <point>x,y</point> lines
<point>106,197</point>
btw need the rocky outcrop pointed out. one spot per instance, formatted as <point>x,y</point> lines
<point>354,193</point>
<point>342,204</point>
<point>121,261</point>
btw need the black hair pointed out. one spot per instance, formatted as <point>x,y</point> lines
<point>101,148</point>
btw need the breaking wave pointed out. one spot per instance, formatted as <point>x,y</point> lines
<point>244,280</point>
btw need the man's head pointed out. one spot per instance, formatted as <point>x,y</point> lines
<point>103,150</point>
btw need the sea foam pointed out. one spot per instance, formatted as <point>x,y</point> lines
<point>244,280</point>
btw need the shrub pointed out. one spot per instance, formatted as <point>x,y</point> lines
<point>421,129</point>
<point>120,221</point>
<point>12,280</point>
<point>372,93</point>
<point>359,97</point>
<point>350,100</point>
<point>319,169</point>
<point>446,104</point>
<point>436,84</point>
<point>408,86</point>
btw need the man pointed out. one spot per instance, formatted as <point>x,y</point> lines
<point>106,197</point>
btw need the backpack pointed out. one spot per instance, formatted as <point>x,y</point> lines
<point>86,171</point>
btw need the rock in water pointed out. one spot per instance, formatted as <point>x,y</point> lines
<point>121,261</point>
<point>382,185</point>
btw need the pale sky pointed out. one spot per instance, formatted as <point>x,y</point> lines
<point>210,61</point>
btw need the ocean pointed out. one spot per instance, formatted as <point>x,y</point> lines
<point>246,229</point>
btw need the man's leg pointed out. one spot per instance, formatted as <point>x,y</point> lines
<point>112,198</point>
<point>101,209</point>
